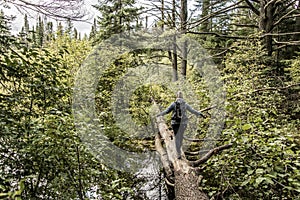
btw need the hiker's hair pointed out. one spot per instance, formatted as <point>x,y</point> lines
<point>179,94</point>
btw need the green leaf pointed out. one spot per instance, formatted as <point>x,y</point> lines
<point>246,127</point>
<point>259,171</point>
<point>259,180</point>
<point>245,182</point>
<point>269,180</point>
<point>2,195</point>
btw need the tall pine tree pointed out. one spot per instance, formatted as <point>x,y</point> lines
<point>117,16</point>
<point>40,30</point>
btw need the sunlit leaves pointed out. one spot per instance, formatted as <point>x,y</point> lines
<point>263,164</point>
<point>39,144</point>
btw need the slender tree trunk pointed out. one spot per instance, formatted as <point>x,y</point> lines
<point>296,37</point>
<point>174,60</point>
<point>183,17</point>
<point>266,23</point>
<point>80,188</point>
<point>162,15</point>
<point>204,27</point>
<point>146,26</point>
<point>120,20</point>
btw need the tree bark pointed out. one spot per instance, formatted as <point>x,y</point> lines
<point>204,27</point>
<point>183,16</point>
<point>296,37</point>
<point>187,185</point>
<point>266,23</point>
<point>174,60</point>
<point>162,15</point>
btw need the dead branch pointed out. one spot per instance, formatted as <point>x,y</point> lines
<point>57,9</point>
<point>195,153</point>
<point>169,183</point>
<point>280,34</point>
<point>226,9</point>
<point>276,88</point>
<point>283,17</point>
<point>209,154</point>
<point>218,35</point>
<point>285,45</point>
<point>208,108</point>
<point>256,11</point>
<point>290,43</point>
<point>269,3</point>
<point>200,140</point>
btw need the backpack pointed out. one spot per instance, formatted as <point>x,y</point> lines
<point>179,111</point>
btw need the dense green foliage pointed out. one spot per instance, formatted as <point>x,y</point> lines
<point>42,155</point>
<point>38,143</point>
<point>264,163</point>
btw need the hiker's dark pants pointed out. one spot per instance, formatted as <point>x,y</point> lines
<point>178,132</point>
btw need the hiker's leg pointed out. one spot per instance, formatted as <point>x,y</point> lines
<point>175,128</point>
<point>179,138</point>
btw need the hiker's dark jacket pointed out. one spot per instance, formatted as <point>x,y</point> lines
<point>186,107</point>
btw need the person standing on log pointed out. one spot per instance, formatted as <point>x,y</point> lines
<point>179,119</point>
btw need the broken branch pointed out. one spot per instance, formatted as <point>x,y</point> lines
<point>209,154</point>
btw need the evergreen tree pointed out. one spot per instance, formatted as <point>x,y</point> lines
<point>60,29</point>
<point>40,30</point>
<point>117,16</point>
<point>75,34</point>
<point>4,30</point>
<point>26,25</point>
<point>33,35</point>
<point>242,22</point>
<point>69,27</point>
<point>205,26</point>
<point>23,34</point>
<point>85,37</point>
<point>49,31</point>
<point>93,30</point>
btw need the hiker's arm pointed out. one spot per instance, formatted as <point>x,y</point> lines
<point>195,112</point>
<point>168,110</point>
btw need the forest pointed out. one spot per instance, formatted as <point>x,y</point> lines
<point>79,111</point>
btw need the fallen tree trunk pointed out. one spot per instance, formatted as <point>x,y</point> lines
<point>182,174</point>
<point>186,184</point>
